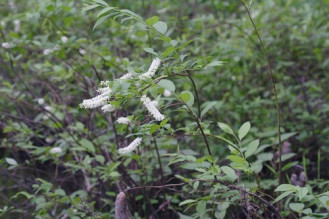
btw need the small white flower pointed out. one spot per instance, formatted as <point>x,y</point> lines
<point>12,5</point>
<point>57,47</point>
<point>104,83</point>
<point>41,101</point>
<point>47,51</point>
<point>127,76</point>
<point>49,108</point>
<point>154,66</point>
<point>48,139</point>
<point>64,39</point>
<point>132,146</point>
<point>82,51</point>
<point>123,120</point>
<point>6,45</point>
<point>166,93</point>
<point>17,25</point>
<point>104,90</point>
<point>56,150</point>
<point>108,108</point>
<point>3,23</point>
<point>150,106</point>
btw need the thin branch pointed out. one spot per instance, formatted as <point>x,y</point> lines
<point>274,90</point>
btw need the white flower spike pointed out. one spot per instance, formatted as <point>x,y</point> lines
<point>150,106</point>
<point>131,147</point>
<point>154,66</point>
<point>127,76</point>
<point>108,108</point>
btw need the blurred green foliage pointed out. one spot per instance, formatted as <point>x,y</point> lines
<point>51,59</point>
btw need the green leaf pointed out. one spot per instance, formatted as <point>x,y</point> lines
<point>265,156</point>
<point>244,129</point>
<point>104,11</point>
<point>284,187</point>
<point>132,14</point>
<point>150,50</point>
<point>208,107</point>
<point>214,63</point>
<point>201,207</point>
<point>87,145</point>
<point>168,51</point>
<point>100,158</point>
<point>237,159</point>
<point>154,128</point>
<point>167,84</point>
<point>286,136</point>
<point>152,20</point>
<point>252,147</point>
<point>11,161</point>
<point>302,192</point>
<point>101,2</point>
<point>100,21</point>
<point>283,195</point>
<point>161,27</point>
<point>188,201</point>
<point>89,7</point>
<point>226,128</point>
<point>230,173</point>
<point>325,201</point>
<point>187,97</point>
<point>298,207</point>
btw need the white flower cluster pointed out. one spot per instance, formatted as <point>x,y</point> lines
<point>166,93</point>
<point>150,106</point>
<point>127,76</point>
<point>6,45</point>
<point>132,146</point>
<point>56,150</point>
<point>41,101</point>
<point>100,100</point>
<point>154,66</point>
<point>82,51</point>
<point>64,39</point>
<point>49,51</point>
<point>123,120</point>
<point>17,25</point>
<point>108,108</point>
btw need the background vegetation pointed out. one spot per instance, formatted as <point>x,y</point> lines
<point>52,59</point>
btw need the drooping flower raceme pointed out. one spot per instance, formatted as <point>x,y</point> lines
<point>100,100</point>
<point>123,120</point>
<point>154,66</point>
<point>108,108</point>
<point>152,108</point>
<point>127,76</point>
<point>155,103</point>
<point>132,146</point>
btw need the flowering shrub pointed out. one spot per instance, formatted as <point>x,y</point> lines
<point>175,120</point>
